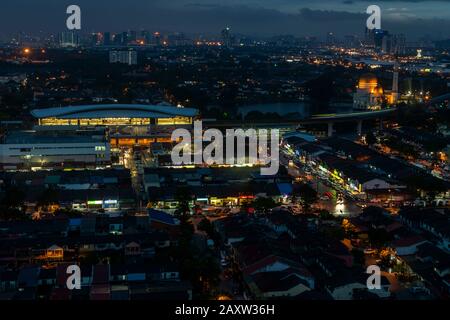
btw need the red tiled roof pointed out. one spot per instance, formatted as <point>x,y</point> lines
<point>61,274</point>
<point>268,260</point>
<point>60,294</point>
<point>393,226</point>
<point>101,274</point>
<point>100,292</point>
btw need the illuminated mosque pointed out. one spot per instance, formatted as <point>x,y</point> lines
<point>370,95</point>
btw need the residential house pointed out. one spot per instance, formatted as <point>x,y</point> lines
<point>407,245</point>
<point>8,280</point>
<point>279,284</point>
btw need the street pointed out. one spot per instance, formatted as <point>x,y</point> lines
<point>349,206</point>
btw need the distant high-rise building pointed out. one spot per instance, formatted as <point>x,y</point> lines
<point>126,56</point>
<point>351,41</point>
<point>369,37</point>
<point>331,39</point>
<point>157,38</point>
<point>378,36</point>
<point>178,39</point>
<point>146,36</point>
<point>121,39</point>
<point>399,44</point>
<point>386,43</point>
<point>69,39</point>
<point>132,36</point>
<point>116,39</point>
<point>106,38</point>
<point>426,41</point>
<point>226,37</point>
<point>394,93</point>
<point>96,39</point>
<point>124,39</point>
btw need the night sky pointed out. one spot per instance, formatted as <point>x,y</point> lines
<point>415,18</point>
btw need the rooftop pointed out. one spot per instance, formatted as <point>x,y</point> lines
<point>114,110</point>
<point>54,137</point>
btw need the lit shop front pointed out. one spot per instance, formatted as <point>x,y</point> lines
<point>111,122</point>
<point>130,142</point>
<point>103,204</point>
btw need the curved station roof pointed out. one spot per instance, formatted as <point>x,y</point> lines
<point>114,111</point>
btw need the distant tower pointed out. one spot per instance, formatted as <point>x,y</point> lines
<point>395,83</point>
<point>330,39</point>
<point>69,39</point>
<point>157,38</point>
<point>226,37</point>
<point>419,53</point>
<point>106,38</point>
<point>386,44</point>
<point>399,44</point>
<point>369,38</point>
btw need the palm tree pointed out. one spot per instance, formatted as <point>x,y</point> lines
<point>183,196</point>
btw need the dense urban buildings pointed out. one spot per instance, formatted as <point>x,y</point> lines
<point>87,176</point>
<point>47,148</point>
<point>127,57</point>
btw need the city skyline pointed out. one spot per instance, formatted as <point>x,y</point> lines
<point>415,18</point>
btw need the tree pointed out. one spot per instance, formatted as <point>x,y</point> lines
<point>412,114</point>
<point>306,194</point>
<point>325,215</point>
<point>264,204</point>
<point>430,184</point>
<point>373,213</point>
<point>333,232</point>
<point>90,258</point>
<point>371,139</point>
<point>183,196</point>
<point>203,272</point>
<point>11,205</point>
<point>435,145</point>
<point>378,237</point>
<point>12,214</point>
<point>48,196</point>
<point>186,229</point>
<point>13,198</point>
<point>69,212</point>
<point>358,256</point>
<point>321,90</point>
<point>206,225</point>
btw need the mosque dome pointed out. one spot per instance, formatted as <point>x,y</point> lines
<point>378,90</point>
<point>368,82</point>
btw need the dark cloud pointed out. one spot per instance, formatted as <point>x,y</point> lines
<point>328,15</point>
<point>202,5</point>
